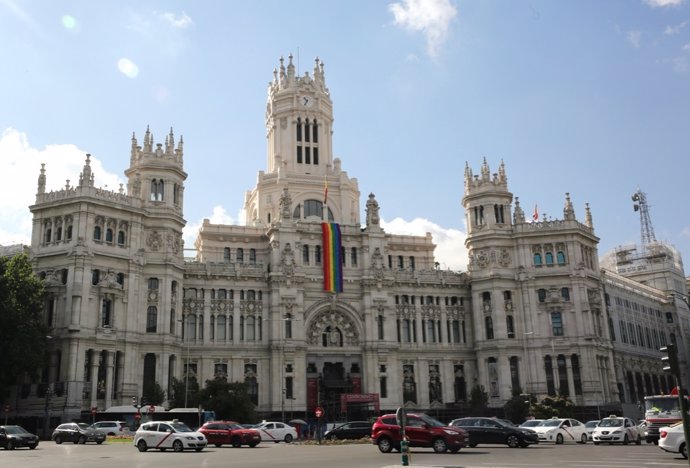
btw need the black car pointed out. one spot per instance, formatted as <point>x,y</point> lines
<point>495,431</point>
<point>12,437</point>
<point>78,433</point>
<point>350,430</point>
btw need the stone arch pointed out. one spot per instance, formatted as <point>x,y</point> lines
<point>339,319</point>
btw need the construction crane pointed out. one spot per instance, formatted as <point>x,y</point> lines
<point>647,230</point>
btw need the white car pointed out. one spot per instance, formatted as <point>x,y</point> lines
<point>163,435</point>
<point>111,428</point>
<point>561,430</point>
<point>276,431</point>
<point>590,425</point>
<point>672,439</point>
<point>616,430</point>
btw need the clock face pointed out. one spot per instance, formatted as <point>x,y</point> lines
<point>306,101</point>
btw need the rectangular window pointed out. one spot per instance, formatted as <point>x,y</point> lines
<point>289,392</point>
<point>299,155</point>
<point>307,155</point>
<point>379,325</point>
<point>316,155</point>
<point>383,384</point>
<point>556,324</point>
<point>107,313</point>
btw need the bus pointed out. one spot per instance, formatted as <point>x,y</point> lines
<point>133,416</point>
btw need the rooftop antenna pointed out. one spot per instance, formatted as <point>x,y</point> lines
<point>647,230</point>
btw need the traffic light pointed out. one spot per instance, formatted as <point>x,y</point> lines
<point>670,360</point>
<point>134,401</point>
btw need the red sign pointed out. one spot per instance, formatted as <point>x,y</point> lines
<point>318,411</point>
<point>93,411</point>
<point>152,409</point>
<point>137,416</point>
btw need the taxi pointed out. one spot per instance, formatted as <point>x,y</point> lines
<point>616,430</point>
<point>561,430</point>
<point>272,431</point>
<point>164,435</point>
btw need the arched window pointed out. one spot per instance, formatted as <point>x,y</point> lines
<point>562,376</point>
<point>548,370</point>
<point>560,257</point>
<point>510,326</point>
<point>68,234</point>
<point>288,326</point>
<point>489,326</point>
<point>311,208</point>
<point>157,190</point>
<point>315,134</point>
<point>109,236</point>
<point>151,319</point>
<point>58,234</point>
<point>577,380</point>
<point>121,238</point>
<point>557,323</point>
<point>537,259</point>
<point>549,258</point>
<point>299,130</point>
<point>97,233</point>
<point>49,235</point>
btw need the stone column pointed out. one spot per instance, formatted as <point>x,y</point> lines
<point>109,364</point>
<point>95,357</point>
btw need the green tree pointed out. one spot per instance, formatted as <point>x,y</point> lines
<point>152,393</point>
<point>479,398</point>
<point>560,406</point>
<point>228,400</point>
<point>177,399</point>
<point>22,326</point>
<point>518,407</point>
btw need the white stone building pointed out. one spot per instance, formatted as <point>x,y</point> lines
<point>125,307</point>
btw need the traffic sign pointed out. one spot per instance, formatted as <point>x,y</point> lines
<point>93,411</point>
<point>318,411</point>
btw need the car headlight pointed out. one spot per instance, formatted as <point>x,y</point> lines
<point>451,432</point>
<point>189,438</point>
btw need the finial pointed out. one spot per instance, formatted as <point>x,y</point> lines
<point>42,179</point>
<point>588,217</point>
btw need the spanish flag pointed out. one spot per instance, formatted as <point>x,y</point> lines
<point>332,258</point>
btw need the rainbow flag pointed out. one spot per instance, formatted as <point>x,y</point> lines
<point>332,258</point>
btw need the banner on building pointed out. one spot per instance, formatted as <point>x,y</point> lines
<point>332,258</point>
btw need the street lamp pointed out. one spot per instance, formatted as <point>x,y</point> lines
<point>46,416</point>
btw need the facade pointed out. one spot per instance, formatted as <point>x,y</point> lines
<point>125,307</point>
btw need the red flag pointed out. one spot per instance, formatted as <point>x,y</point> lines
<point>535,216</point>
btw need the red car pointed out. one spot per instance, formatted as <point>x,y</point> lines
<point>229,432</point>
<point>421,430</point>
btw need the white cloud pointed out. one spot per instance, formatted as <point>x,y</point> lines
<point>634,37</point>
<point>686,47</point>
<point>670,30</point>
<point>430,17</point>
<point>219,215</point>
<point>663,3</point>
<point>128,68</point>
<point>450,250</point>
<point>20,165</point>
<point>181,21</point>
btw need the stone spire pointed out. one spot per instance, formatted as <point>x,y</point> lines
<point>42,179</point>
<point>502,173</point>
<point>170,142</point>
<point>86,178</point>
<point>148,141</point>
<point>568,211</point>
<point>134,149</point>
<point>290,71</point>
<point>486,173</point>
<point>588,217</point>
<point>518,214</point>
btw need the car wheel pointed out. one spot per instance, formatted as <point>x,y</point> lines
<point>177,446</point>
<point>684,451</point>
<point>385,445</point>
<point>58,439</point>
<point>583,439</point>
<point>440,445</point>
<point>559,439</point>
<point>596,443</point>
<point>253,444</point>
<point>512,441</point>
<point>31,447</point>
<point>639,440</point>
<point>82,440</point>
<point>236,442</point>
<point>332,437</point>
<point>99,442</point>
<point>288,438</point>
<point>473,444</point>
<point>626,441</point>
<point>10,445</point>
<point>141,445</point>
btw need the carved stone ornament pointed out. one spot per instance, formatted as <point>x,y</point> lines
<point>287,261</point>
<point>337,321</point>
<point>482,259</point>
<point>154,241</point>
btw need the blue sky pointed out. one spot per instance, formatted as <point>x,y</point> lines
<point>586,97</point>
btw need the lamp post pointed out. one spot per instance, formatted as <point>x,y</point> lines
<point>46,416</point>
<point>527,359</point>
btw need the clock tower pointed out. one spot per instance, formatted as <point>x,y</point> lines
<point>300,162</point>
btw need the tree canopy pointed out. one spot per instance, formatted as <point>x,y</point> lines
<point>22,327</point>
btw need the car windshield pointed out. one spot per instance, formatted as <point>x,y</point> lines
<point>661,404</point>
<point>16,430</point>
<point>431,422</point>
<point>83,426</point>
<point>235,426</point>
<point>180,427</point>
<point>551,423</point>
<point>610,422</point>
<point>532,423</point>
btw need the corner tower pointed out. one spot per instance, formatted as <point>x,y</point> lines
<point>299,134</point>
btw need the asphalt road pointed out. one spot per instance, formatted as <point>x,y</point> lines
<point>119,454</point>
